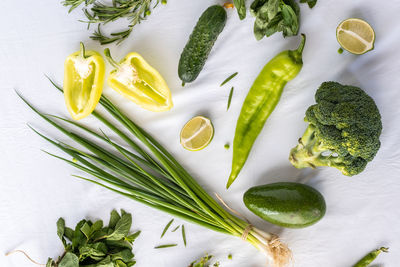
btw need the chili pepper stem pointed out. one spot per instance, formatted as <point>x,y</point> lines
<point>82,50</point>
<point>297,54</point>
<point>107,53</point>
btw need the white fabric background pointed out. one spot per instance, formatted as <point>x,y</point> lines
<point>362,212</point>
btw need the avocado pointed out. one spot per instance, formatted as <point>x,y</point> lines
<point>291,205</point>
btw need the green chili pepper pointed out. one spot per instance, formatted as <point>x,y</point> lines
<point>261,100</point>
<point>370,257</point>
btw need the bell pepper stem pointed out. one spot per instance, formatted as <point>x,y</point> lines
<point>107,53</point>
<point>82,50</point>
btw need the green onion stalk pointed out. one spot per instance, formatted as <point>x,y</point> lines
<point>145,171</point>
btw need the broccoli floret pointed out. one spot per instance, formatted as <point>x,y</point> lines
<point>343,131</point>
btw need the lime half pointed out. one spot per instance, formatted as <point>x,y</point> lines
<point>356,36</point>
<point>197,133</point>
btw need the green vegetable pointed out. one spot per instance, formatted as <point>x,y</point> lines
<point>311,3</point>
<point>149,174</point>
<point>201,262</point>
<point>205,33</point>
<point>229,99</point>
<point>228,79</point>
<point>183,235</point>
<point>100,13</point>
<point>166,246</point>
<point>370,257</point>
<point>92,243</point>
<point>261,100</point>
<point>291,205</point>
<point>275,16</point>
<point>166,227</point>
<point>343,131</point>
<point>240,6</point>
<point>176,228</point>
<point>226,146</point>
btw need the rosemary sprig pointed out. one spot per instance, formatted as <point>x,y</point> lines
<point>97,12</point>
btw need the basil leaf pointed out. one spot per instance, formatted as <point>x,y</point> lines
<point>240,6</point>
<point>131,263</point>
<point>290,21</point>
<point>273,7</point>
<point>119,263</point>
<point>121,228</point>
<point>114,218</point>
<point>69,260</point>
<point>60,230</point>
<point>311,3</point>
<point>273,25</point>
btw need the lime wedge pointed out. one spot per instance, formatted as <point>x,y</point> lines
<point>197,133</point>
<point>356,36</point>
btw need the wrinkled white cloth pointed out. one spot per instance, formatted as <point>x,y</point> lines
<point>362,212</point>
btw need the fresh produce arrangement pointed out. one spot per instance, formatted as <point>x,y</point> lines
<point>261,100</point>
<point>152,177</point>
<point>343,132</point>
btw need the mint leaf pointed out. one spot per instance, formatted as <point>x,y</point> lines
<point>68,233</point>
<point>69,260</point>
<point>60,230</point>
<point>114,218</point>
<point>118,244</point>
<point>124,255</point>
<point>90,251</point>
<point>132,237</point>
<point>85,229</point>
<point>121,228</point>
<point>79,238</point>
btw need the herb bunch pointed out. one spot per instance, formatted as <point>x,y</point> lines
<point>277,16</point>
<point>100,13</point>
<point>92,244</point>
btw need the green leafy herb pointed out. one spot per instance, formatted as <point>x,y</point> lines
<point>92,243</point>
<point>166,227</point>
<point>229,78</point>
<point>229,99</point>
<point>240,6</point>
<point>275,16</point>
<point>183,235</point>
<point>311,3</point>
<point>165,246</point>
<point>101,13</point>
<point>176,228</point>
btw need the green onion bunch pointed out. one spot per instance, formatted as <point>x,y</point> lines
<point>149,174</point>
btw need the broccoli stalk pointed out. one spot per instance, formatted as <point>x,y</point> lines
<point>343,131</point>
<point>311,152</point>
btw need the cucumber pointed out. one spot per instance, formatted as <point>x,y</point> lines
<point>290,205</point>
<point>205,33</point>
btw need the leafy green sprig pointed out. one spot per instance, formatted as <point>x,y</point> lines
<point>92,244</point>
<point>277,16</point>
<point>99,13</point>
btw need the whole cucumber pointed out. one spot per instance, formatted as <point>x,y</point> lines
<point>202,39</point>
<point>291,205</point>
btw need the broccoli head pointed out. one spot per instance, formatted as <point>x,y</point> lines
<point>343,131</point>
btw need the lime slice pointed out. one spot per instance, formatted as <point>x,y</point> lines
<point>197,133</point>
<point>356,36</point>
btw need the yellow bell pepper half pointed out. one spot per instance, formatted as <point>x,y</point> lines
<point>135,79</point>
<point>84,73</point>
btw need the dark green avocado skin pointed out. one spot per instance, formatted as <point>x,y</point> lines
<point>290,205</point>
